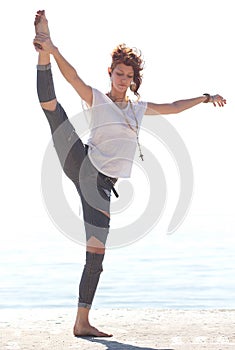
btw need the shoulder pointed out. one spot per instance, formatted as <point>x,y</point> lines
<point>98,97</point>
<point>140,105</point>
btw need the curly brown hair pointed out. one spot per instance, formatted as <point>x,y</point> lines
<point>130,57</point>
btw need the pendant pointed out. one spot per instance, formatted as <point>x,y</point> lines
<point>141,156</point>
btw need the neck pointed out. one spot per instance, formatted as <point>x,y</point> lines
<point>117,97</point>
<point>120,100</point>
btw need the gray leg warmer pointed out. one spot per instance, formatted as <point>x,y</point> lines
<point>45,86</point>
<point>90,279</point>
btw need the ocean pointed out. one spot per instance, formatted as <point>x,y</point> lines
<point>181,271</point>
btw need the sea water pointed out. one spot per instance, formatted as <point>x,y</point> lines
<point>180,271</point>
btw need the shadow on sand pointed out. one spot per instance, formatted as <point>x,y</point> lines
<point>114,345</point>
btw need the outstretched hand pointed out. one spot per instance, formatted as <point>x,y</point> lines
<point>218,100</point>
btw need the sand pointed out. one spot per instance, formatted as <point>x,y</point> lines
<point>142,329</point>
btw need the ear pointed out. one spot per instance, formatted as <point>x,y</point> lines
<point>133,86</point>
<point>110,71</point>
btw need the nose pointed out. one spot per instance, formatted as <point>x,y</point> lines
<point>125,79</point>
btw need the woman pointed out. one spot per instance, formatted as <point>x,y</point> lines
<point>94,168</point>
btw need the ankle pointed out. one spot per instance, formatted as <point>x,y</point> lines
<point>43,58</point>
<point>81,324</point>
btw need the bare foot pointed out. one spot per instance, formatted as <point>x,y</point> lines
<point>88,331</point>
<point>41,23</point>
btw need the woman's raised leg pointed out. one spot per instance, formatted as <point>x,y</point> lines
<point>71,154</point>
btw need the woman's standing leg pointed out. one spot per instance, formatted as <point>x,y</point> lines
<point>95,198</point>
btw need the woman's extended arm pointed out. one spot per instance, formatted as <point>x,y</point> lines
<point>70,74</point>
<point>182,105</point>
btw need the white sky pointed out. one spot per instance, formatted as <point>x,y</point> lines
<point>188,48</point>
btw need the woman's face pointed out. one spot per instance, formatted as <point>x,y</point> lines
<point>121,77</point>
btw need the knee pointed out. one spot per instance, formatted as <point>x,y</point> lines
<point>95,246</point>
<point>94,262</point>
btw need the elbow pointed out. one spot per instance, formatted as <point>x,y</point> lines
<point>176,108</point>
<point>72,79</point>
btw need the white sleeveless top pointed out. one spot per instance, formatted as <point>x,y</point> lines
<point>112,143</point>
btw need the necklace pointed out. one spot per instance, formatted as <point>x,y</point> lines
<point>136,129</point>
<point>118,100</point>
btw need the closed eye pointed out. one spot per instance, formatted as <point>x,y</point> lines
<point>121,74</point>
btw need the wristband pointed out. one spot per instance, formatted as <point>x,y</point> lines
<point>208,96</point>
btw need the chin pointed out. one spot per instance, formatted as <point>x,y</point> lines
<point>122,88</point>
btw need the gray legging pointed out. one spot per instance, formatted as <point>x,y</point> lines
<point>93,187</point>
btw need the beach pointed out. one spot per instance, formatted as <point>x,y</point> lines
<point>178,296</point>
<point>142,329</point>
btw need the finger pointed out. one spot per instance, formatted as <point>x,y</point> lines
<point>38,46</point>
<point>41,38</point>
<point>42,35</point>
<point>213,101</point>
<point>221,101</point>
<point>37,43</point>
<point>37,40</point>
